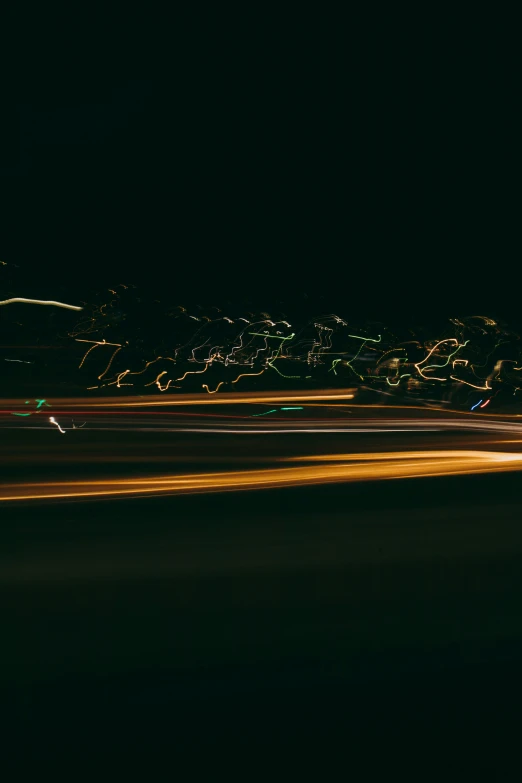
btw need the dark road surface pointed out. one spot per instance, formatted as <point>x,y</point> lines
<point>375,624</point>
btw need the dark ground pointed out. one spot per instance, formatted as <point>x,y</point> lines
<point>373,624</point>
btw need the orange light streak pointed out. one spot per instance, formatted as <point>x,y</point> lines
<point>195,372</point>
<point>96,343</point>
<point>248,375</point>
<point>158,384</point>
<point>473,386</point>
<point>347,467</point>
<point>204,386</point>
<point>110,362</point>
<point>227,398</point>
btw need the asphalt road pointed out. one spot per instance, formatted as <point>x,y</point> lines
<point>374,622</point>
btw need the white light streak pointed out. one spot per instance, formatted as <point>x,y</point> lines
<point>40,302</point>
<point>53,421</point>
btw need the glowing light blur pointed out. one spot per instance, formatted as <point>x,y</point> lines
<point>228,398</point>
<point>341,468</point>
<point>51,302</point>
<point>465,358</point>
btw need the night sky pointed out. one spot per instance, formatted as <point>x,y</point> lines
<point>373,180</point>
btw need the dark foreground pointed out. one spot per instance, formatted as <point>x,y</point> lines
<point>377,627</point>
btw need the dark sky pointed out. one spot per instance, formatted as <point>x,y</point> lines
<point>378,180</point>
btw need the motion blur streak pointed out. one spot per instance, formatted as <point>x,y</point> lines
<point>323,396</point>
<point>40,302</point>
<point>117,421</point>
<point>354,467</point>
<point>231,398</point>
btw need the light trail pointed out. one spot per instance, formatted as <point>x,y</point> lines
<point>40,302</point>
<point>260,431</point>
<point>345,468</point>
<point>227,398</point>
<point>309,346</point>
<point>53,421</point>
<point>184,421</point>
<point>324,397</point>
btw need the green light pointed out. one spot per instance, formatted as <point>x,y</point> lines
<point>40,403</point>
<point>438,366</point>
<point>271,362</point>
<point>406,375</point>
<point>366,339</point>
<point>349,363</point>
<point>275,336</point>
<point>297,408</point>
<point>265,413</point>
